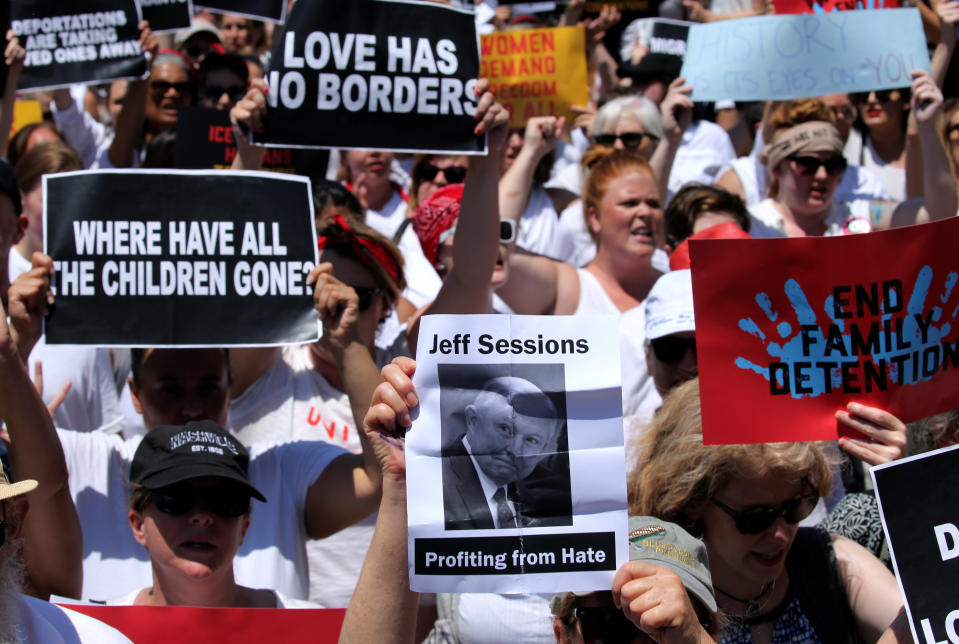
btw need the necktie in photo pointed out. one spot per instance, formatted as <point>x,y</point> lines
<point>504,515</point>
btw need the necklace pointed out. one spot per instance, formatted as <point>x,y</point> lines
<point>754,606</point>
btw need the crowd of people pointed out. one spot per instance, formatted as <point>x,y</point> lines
<point>275,477</point>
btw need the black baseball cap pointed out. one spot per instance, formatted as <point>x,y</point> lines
<point>171,454</point>
<point>8,186</point>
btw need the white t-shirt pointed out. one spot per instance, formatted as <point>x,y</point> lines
<point>705,148</point>
<point>537,226</point>
<point>293,401</point>
<point>273,555</point>
<point>573,242</point>
<point>46,623</point>
<point>841,219</point>
<point>639,391</point>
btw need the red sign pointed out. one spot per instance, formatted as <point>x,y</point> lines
<point>189,625</point>
<point>821,6</point>
<point>790,330</point>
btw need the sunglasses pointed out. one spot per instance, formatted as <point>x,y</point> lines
<point>365,294</point>
<point>214,92</point>
<point>162,87</point>
<point>882,95</point>
<point>808,166</point>
<point>452,174</point>
<point>670,349</point>
<point>605,625</point>
<point>631,140</point>
<point>222,500</point>
<point>507,232</point>
<point>758,518</point>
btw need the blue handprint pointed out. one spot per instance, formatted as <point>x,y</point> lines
<point>891,344</point>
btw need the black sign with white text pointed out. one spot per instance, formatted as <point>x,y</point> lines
<point>919,501</point>
<point>167,15</point>
<point>271,10</point>
<point>374,74</point>
<point>77,42</point>
<point>178,258</point>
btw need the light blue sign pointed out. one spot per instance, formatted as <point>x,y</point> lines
<point>796,56</point>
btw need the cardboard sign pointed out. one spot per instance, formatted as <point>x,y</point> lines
<point>25,113</point>
<point>917,498</point>
<point>204,140</point>
<point>825,6</point>
<point>191,625</point>
<point>177,258</point>
<point>167,15</point>
<point>382,74</point>
<point>786,57</point>
<point>538,72</point>
<point>528,408</point>
<point>790,330</point>
<point>78,42</point>
<point>269,10</point>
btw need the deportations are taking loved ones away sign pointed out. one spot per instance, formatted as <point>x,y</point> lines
<point>515,465</point>
<point>179,258</point>
<point>870,318</point>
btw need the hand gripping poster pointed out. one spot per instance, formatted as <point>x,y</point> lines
<point>515,463</point>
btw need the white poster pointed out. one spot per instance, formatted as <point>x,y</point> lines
<point>515,464</point>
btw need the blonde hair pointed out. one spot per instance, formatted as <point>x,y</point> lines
<point>676,474</point>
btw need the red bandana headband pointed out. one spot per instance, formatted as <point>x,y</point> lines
<point>366,251</point>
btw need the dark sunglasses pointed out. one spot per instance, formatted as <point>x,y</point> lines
<point>605,625</point>
<point>631,140</point>
<point>365,294</point>
<point>222,500</point>
<point>453,173</point>
<point>214,92</point>
<point>882,95</point>
<point>162,87</point>
<point>670,349</point>
<point>808,166</point>
<point>759,517</point>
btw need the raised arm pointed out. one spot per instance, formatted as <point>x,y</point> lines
<point>129,123</point>
<point>53,543</point>
<point>383,608</point>
<point>939,185</point>
<point>13,56</point>
<point>676,110</point>
<point>466,288</point>
<point>247,116</point>
<point>349,488</point>
<point>539,139</point>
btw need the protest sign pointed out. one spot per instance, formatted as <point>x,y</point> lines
<point>917,499</point>
<point>515,462</point>
<point>537,72</point>
<point>25,113</point>
<point>178,258</point>
<point>869,318</point>
<point>379,74</point>
<point>820,6</point>
<point>196,625</point>
<point>167,15</point>
<point>204,139</point>
<point>269,10</point>
<point>786,57</point>
<point>77,42</point>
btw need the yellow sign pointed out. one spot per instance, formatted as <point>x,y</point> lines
<point>537,72</point>
<point>25,113</point>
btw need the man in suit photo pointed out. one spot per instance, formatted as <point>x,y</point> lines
<point>488,471</point>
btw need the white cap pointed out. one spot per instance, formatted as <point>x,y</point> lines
<point>669,305</point>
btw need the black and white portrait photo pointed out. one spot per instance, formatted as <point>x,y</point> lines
<point>505,456</point>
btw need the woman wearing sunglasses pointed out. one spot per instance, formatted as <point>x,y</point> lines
<point>431,172</point>
<point>775,581</point>
<point>882,123</point>
<point>805,163</point>
<point>190,508</point>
